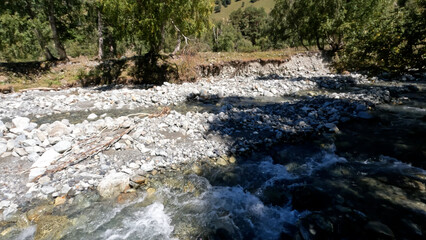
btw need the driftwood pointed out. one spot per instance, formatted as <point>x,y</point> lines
<point>44,89</point>
<point>80,157</point>
<point>165,111</point>
<point>85,155</point>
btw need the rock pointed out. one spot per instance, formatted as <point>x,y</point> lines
<point>113,184</point>
<point>365,115</point>
<point>92,116</point>
<point>150,191</point>
<point>60,200</point>
<point>34,214</point>
<point>52,227</point>
<point>47,190</point>
<point>380,229</point>
<point>197,169</point>
<point>4,204</point>
<point>62,146</point>
<point>41,136</point>
<point>33,157</point>
<point>3,127</point>
<point>46,159</point>
<point>57,129</point>
<point>44,180</point>
<point>222,162</point>
<point>21,122</point>
<point>126,197</point>
<point>20,151</point>
<point>138,179</point>
<point>3,148</point>
<point>232,159</point>
<point>39,167</point>
<point>331,127</point>
<point>36,172</point>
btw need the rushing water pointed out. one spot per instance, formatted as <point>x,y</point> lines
<point>354,182</point>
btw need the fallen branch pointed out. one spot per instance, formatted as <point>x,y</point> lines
<point>83,156</point>
<point>164,111</point>
<point>45,89</point>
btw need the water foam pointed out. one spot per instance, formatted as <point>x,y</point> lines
<point>242,214</point>
<point>150,222</point>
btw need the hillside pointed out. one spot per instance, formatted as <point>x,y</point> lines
<point>226,11</point>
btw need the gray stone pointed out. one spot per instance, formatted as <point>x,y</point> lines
<point>3,148</point>
<point>92,116</point>
<point>21,122</point>
<point>39,167</point>
<point>41,136</point>
<point>20,151</point>
<point>57,129</point>
<point>113,184</point>
<point>47,190</point>
<point>33,157</point>
<point>44,180</point>
<point>62,146</point>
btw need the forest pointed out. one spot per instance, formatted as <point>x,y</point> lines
<point>386,35</point>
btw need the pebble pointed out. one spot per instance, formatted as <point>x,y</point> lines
<point>92,116</point>
<point>62,146</point>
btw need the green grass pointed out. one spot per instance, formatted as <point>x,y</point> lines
<point>226,11</point>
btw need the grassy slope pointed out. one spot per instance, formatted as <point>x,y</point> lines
<point>226,11</point>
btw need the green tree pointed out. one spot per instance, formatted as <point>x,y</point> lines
<point>149,21</point>
<point>325,22</point>
<point>395,41</point>
<point>251,22</point>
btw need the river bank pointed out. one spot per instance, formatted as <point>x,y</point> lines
<point>61,145</point>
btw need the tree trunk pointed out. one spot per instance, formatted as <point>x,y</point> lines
<point>58,45</point>
<point>320,47</point>
<point>177,48</point>
<point>48,55</point>
<point>100,36</point>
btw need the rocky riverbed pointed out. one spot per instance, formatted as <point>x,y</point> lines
<point>60,145</point>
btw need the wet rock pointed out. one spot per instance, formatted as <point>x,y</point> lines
<point>139,179</point>
<point>51,227</point>
<point>222,162</point>
<point>113,184</point>
<point>126,197</point>
<point>365,115</point>
<point>150,191</point>
<point>62,146</point>
<point>379,230</point>
<point>60,200</point>
<point>34,214</point>
<point>331,127</point>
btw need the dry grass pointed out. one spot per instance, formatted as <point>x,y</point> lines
<point>61,75</point>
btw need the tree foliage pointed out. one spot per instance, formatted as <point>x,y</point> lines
<point>323,22</point>
<point>250,22</point>
<point>395,41</point>
<point>148,21</point>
